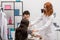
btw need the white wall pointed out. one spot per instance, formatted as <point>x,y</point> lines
<point>34,6</point>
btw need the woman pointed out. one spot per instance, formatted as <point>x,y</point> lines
<point>43,25</point>
<point>21,32</point>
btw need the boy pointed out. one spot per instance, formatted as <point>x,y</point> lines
<point>21,32</point>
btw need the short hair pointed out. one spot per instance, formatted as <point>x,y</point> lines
<point>26,13</point>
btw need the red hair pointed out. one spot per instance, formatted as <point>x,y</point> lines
<point>49,8</point>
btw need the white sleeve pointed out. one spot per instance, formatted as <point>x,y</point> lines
<point>36,21</point>
<point>5,30</point>
<point>48,23</point>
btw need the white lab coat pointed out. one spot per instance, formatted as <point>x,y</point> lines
<point>3,25</point>
<point>45,27</point>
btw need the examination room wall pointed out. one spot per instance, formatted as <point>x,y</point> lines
<point>35,6</point>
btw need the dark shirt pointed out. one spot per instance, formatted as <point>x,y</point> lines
<point>21,31</point>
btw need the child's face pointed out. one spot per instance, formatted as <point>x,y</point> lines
<point>26,17</point>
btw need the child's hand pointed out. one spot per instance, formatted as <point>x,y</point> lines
<point>30,25</point>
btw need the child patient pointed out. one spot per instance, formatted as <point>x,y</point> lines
<point>21,31</point>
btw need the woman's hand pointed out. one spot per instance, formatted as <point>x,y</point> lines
<point>35,30</point>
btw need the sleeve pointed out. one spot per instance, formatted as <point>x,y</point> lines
<point>32,23</point>
<point>48,23</point>
<point>5,30</point>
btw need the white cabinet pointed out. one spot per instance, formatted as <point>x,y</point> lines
<point>58,35</point>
